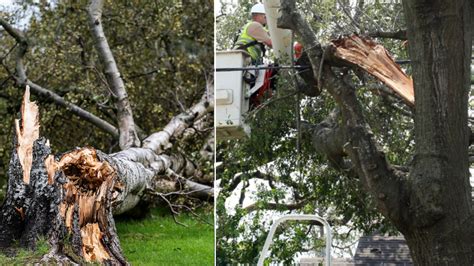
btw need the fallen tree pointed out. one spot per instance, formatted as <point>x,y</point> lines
<point>71,199</point>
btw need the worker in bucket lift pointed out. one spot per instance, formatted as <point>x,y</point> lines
<point>269,82</point>
<point>253,36</point>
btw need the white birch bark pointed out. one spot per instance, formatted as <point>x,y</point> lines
<point>139,168</point>
<point>128,134</point>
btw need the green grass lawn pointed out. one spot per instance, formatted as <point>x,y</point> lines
<point>154,240</point>
<point>25,257</point>
<point>159,240</point>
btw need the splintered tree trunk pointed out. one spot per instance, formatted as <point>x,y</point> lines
<point>70,199</point>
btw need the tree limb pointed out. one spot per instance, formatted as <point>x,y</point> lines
<point>102,124</point>
<point>276,206</point>
<point>128,135</point>
<point>150,158</point>
<point>375,60</point>
<point>160,141</point>
<point>22,80</point>
<point>399,35</point>
<point>15,33</point>
<point>370,163</point>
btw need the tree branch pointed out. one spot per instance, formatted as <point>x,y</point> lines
<point>193,188</point>
<point>275,206</point>
<point>160,141</point>
<point>128,135</point>
<point>370,163</point>
<point>102,124</point>
<point>22,80</point>
<point>16,34</point>
<point>149,161</point>
<point>399,35</point>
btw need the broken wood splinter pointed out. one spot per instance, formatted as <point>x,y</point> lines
<point>375,60</point>
<point>27,132</point>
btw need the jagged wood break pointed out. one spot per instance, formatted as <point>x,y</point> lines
<point>71,200</point>
<point>376,60</point>
<point>27,133</point>
<point>67,201</point>
<point>88,196</point>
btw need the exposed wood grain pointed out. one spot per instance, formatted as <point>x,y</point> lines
<point>92,247</point>
<point>89,181</point>
<point>27,132</point>
<point>51,168</point>
<point>377,61</point>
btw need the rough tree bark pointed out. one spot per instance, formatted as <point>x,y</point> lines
<point>440,47</point>
<point>431,205</point>
<point>71,199</point>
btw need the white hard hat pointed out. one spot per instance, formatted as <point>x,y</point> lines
<point>258,8</point>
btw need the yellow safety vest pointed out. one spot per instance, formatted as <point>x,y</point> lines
<point>250,44</point>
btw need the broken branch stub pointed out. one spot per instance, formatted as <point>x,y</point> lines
<point>27,131</point>
<point>375,60</point>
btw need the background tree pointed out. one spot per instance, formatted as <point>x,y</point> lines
<point>163,76</point>
<point>330,174</point>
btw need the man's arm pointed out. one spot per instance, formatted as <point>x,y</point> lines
<point>257,31</point>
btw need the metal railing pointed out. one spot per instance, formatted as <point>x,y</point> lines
<point>297,217</point>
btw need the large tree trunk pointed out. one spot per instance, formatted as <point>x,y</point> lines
<point>441,228</point>
<point>71,199</point>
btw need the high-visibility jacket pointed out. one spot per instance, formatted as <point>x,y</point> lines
<point>246,42</point>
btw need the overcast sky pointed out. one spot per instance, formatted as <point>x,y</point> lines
<point>6,2</point>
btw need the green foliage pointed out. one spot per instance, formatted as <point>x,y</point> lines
<point>230,20</point>
<point>159,240</point>
<point>304,176</point>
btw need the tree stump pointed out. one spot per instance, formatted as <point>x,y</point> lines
<point>67,200</point>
